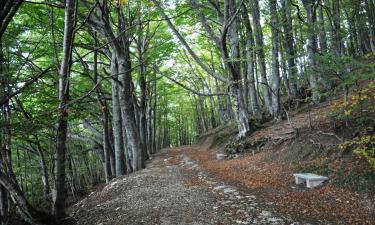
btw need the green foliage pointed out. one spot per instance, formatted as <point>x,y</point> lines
<point>363,146</point>
<point>359,181</point>
<point>358,109</point>
<point>321,168</point>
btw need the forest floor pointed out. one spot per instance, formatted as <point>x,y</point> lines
<point>187,185</point>
<point>174,189</point>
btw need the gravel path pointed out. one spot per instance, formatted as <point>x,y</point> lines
<point>173,190</point>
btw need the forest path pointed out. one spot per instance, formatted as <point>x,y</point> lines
<point>173,189</point>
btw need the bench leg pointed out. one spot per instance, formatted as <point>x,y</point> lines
<point>313,183</point>
<point>299,180</point>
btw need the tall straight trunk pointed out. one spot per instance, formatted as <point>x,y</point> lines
<point>337,42</point>
<point>250,65</point>
<point>43,170</point>
<point>59,193</point>
<point>324,78</point>
<point>3,136</point>
<point>127,108</point>
<point>370,11</point>
<point>322,31</point>
<point>290,48</point>
<point>154,114</point>
<point>275,61</point>
<point>312,48</point>
<point>260,54</point>
<point>353,50</point>
<point>128,152</point>
<point>363,37</point>
<point>234,68</point>
<point>107,149</point>
<point>222,117</point>
<point>143,102</point>
<point>211,102</point>
<point>119,145</point>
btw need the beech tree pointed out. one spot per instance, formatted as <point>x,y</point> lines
<point>90,90</point>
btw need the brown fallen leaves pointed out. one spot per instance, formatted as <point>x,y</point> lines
<point>274,182</point>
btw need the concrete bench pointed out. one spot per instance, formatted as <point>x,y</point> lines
<point>220,156</point>
<point>312,180</point>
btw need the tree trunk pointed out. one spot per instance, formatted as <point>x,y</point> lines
<point>322,31</point>
<point>312,48</point>
<point>325,77</point>
<point>27,212</point>
<point>119,145</point>
<point>336,28</point>
<point>43,170</point>
<point>275,62</point>
<point>127,108</point>
<point>250,65</point>
<point>370,11</point>
<point>260,54</point>
<point>143,102</point>
<point>234,67</point>
<point>290,48</point>
<point>59,194</point>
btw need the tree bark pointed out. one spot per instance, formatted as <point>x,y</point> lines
<point>234,66</point>
<point>260,54</point>
<point>275,62</point>
<point>59,193</point>
<point>312,48</point>
<point>250,65</point>
<point>290,48</point>
<point>337,42</point>
<point>119,141</point>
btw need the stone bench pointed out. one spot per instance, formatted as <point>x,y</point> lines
<point>312,180</point>
<point>220,156</point>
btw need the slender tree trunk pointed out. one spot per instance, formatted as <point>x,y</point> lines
<point>322,31</point>
<point>234,68</point>
<point>59,192</point>
<point>312,48</point>
<point>43,170</point>
<point>109,161</point>
<point>4,208</point>
<point>119,145</point>
<point>370,11</point>
<point>290,48</point>
<point>128,112</point>
<point>275,62</point>
<point>250,65</point>
<point>260,54</point>
<point>143,102</point>
<point>325,77</point>
<point>337,42</point>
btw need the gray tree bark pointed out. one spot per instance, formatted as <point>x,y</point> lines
<point>312,48</point>
<point>119,145</point>
<point>59,194</point>
<point>337,40</point>
<point>260,54</point>
<point>290,48</point>
<point>275,62</point>
<point>251,65</point>
<point>233,65</point>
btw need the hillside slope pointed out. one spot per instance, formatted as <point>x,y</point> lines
<point>188,185</point>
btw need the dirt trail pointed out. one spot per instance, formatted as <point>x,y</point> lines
<point>174,189</point>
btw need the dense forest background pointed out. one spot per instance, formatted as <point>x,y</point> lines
<point>91,89</point>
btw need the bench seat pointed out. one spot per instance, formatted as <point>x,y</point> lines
<point>312,180</point>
